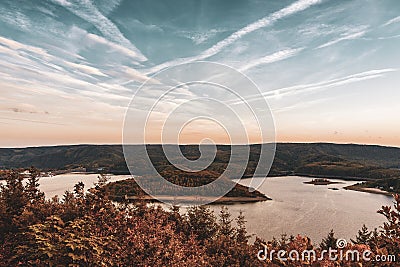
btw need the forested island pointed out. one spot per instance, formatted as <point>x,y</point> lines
<point>320,181</point>
<point>129,189</point>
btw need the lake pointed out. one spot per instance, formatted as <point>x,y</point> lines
<point>57,185</point>
<point>295,208</point>
<point>312,210</point>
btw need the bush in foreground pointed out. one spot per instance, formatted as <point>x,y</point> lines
<point>87,229</point>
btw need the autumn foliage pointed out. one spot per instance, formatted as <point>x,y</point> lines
<point>87,229</point>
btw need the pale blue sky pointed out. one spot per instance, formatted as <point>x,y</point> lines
<point>329,69</point>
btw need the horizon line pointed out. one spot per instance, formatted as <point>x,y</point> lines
<point>194,144</point>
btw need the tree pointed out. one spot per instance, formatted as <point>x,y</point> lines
<point>390,234</point>
<point>13,194</point>
<point>12,203</point>
<point>225,222</point>
<point>374,239</point>
<point>241,232</point>
<point>32,186</point>
<point>202,222</point>
<point>363,236</point>
<point>102,179</point>
<point>329,241</point>
<point>79,190</point>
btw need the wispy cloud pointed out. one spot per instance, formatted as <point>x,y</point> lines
<point>137,76</point>
<point>63,2</point>
<point>294,8</point>
<point>371,74</point>
<point>15,18</point>
<point>261,23</point>
<point>24,62</point>
<point>89,12</point>
<point>85,68</point>
<point>120,48</point>
<point>286,91</point>
<point>300,105</point>
<point>394,20</point>
<point>20,46</point>
<point>19,110</point>
<point>348,36</point>
<point>277,56</point>
<point>389,37</point>
<point>199,37</point>
<point>33,121</point>
<point>34,68</point>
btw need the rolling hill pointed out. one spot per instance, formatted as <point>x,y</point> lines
<point>315,159</point>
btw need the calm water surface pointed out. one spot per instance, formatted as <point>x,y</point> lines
<point>311,210</point>
<point>296,208</point>
<point>57,185</point>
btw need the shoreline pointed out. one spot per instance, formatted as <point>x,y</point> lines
<point>342,178</point>
<point>321,182</point>
<point>354,187</point>
<point>370,190</point>
<point>229,200</point>
<point>194,199</point>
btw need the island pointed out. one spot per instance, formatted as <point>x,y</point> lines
<point>129,189</point>
<point>321,181</point>
<point>195,199</point>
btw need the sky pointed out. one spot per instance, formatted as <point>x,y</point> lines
<point>329,70</point>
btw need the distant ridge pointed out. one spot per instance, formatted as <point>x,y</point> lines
<point>315,159</point>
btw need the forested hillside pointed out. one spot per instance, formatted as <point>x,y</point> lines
<point>316,159</point>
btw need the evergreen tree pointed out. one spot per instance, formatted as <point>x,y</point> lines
<point>33,193</point>
<point>13,194</point>
<point>390,233</point>
<point>102,179</point>
<point>79,190</point>
<point>329,241</point>
<point>241,232</point>
<point>284,241</point>
<point>363,236</point>
<point>202,222</point>
<point>12,203</point>
<point>225,222</point>
<point>374,239</point>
